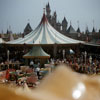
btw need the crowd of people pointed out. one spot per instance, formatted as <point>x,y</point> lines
<point>79,65</point>
<point>35,71</point>
<point>31,74</point>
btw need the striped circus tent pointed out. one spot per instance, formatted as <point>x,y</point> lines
<point>1,41</point>
<point>44,34</point>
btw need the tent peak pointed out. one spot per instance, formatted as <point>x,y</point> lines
<point>44,18</point>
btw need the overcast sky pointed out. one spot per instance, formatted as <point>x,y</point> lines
<point>17,12</point>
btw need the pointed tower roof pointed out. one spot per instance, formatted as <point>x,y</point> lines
<point>64,21</point>
<point>7,31</point>
<point>28,27</point>
<point>93,30</point>
<point>71,29</point>
<point>55,14</point>
<point>48,8</point>
<point>48,5</point>
<point>87,30</point>
<point>78,30</point>
<point>10,30</point>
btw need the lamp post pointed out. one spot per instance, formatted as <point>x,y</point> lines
<point>82,57</point>
<point>90,59</point>
<point>63,53</point>
<point>85,55</point>
<point>8,57</point>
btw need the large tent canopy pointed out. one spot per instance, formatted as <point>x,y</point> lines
<point>45,34</point>
<point>1,41</point>
<point>36,52</point>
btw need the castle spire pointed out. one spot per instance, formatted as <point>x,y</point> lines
<point>93,23</point>
<point>44,10</point>
<point>78,23</point>
<point>78,30</point>
<point>70,23</point>
<point>87,30</point>
<point>27,29</point>
<point>48,10</point>
<point>93,30</point>
<point>64,25</point>
<point>48,4</point>
<point>28,20</point>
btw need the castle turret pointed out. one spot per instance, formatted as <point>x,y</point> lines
<point>7,31</point>
<point>64,25</point>
<point>78,30</point>
<point>53,20</point>
<point>27,29</point>
<point>87,31</point>
<point>9,34</point>
<point>71,30</point>
<point>93,30</point>
<point>59,26</point>
<point>55,15</point>
<point>79,33</point>
<point>48,11</point>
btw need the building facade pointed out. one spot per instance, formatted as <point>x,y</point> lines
<point>93,37</point>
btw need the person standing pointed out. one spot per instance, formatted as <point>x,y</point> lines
<point>31,64</point>
<point>38,72</point>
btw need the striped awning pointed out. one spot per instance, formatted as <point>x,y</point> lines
<point>44,34</point>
